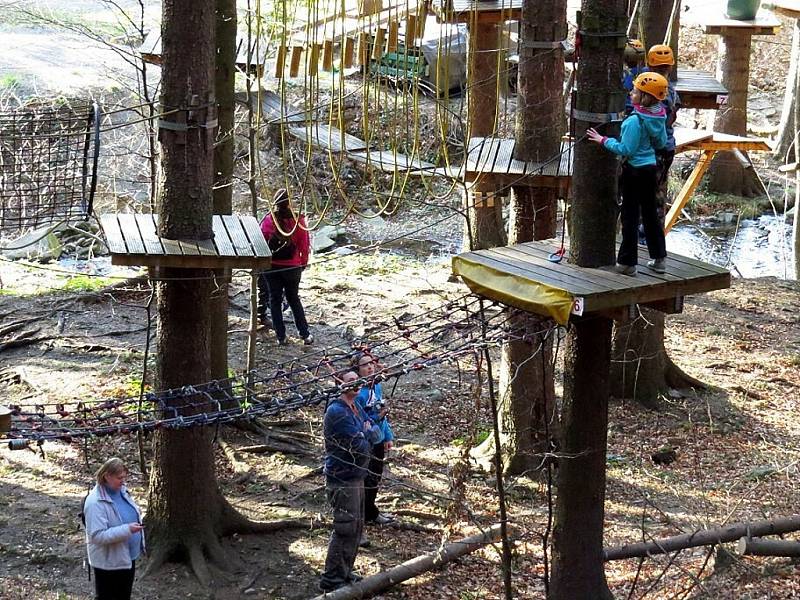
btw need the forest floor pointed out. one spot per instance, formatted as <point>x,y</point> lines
<point>737,445</point>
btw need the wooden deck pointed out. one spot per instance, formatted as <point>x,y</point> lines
<point>485,11</point>
<point>787,8</point>
<point>522,276</point>
<point>237,243</point>
<point>491,160</point>
<point>763,24</point>
<point>700,89</point>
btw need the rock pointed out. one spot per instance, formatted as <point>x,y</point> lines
<point>727,218</point>
<point>249,591</point>
<point>40,244</point>
<point>664,456</point>
<point>324,237</point>
<point>435,395</point>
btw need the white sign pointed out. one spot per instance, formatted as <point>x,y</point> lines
<point>577,306</point>
<point>722,99</point>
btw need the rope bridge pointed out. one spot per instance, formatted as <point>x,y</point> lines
<point>48,164</point>
<point>450,332</point>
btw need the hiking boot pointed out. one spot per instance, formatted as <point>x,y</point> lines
<point>626,269</point>
<point>308,340</point>
<point>325,586</point>
<point>659,265</point>
<point>354,577</point>
<point>283,342</point>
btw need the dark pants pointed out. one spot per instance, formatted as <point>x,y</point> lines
<point>639,195</point>
<point>113,585</point>
<point>372,482</point>
<point>664,160</point>
<point>347,502</point>
<point>286,281</point>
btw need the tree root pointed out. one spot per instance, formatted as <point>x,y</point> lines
<point>678,379</point>
<point>241,469</point>
<point>232,521</point>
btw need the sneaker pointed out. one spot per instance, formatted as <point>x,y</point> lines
<point>283,342</point>
<point>659,265</point>
<point>383,519</point>
<point>626,269</point>
<point>354,577</point>
<point>364,541</point>
<point>308,340</point>
<point>325,586</point>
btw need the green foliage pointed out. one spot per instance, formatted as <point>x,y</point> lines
<point>84,283</point>
<point>480,437</point>
<point>10,82</point>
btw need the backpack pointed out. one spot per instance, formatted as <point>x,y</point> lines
<point>281,246</point>
<point>82,517</point>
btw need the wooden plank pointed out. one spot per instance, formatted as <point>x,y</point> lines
<point>188,247</point>
<point>256,237</point>
<point>684,136</point>
<point>192,262</point>
<point>221,238</point>
<point>147,227</point>
<point>130,232</point>
<point>787,8</point>
<point>171,247</point>
<point>113,233</point>
<point>237,235</point>
<point>548,275</point>
<point>688,189</point>
<point>763,24</point>
<point>206,247</point>
<point>504,155</point>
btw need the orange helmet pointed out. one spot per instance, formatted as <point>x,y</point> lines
<point>660,55</point>
<point>636,45</point>
<point>652,83</point>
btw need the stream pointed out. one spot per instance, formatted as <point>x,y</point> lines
<point>760,247</point>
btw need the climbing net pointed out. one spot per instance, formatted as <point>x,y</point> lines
<point>451,332</point>
<point>48,162</point>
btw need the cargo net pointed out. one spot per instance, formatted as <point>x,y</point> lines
<point>48,164</point>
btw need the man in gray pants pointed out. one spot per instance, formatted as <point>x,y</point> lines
<point>349,436</point>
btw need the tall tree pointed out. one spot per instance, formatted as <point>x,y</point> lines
<point>187,511</point>
<point>784,143</point>
<point>578,572</point>
<point>527,386</point>
<point>224,72</point>
<point>485,220</point>
<point>653,20</point>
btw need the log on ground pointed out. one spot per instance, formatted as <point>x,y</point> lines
<point>761,547</point>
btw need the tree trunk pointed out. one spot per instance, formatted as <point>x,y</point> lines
<point>527,390</point>
<point>639,360</point>
<point>653,22</point>
<point>186,508</point>
<point>727,175</point>
<point>784,144</point>
<point>761,547</point>
<point>485,222</point>
<point>640,367</point>
<point>225,69</point>
<point>578,529</point>
<point>706,537</point>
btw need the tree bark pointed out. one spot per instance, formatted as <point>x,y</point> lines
<point>761,547</point>
<point>784,144</point>
<point>726,173</point>
<point>370,586</point>
<point>706,537</point>
<point>186,510</point>
<point>578,528</point>
<point>485,222</point>
<point>527,389</point>
<point>653,22</point>
<point>224,72</point>
<point>639,360</point>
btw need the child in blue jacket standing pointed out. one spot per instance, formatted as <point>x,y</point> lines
<point>643,132</point>
<point>370,398</point>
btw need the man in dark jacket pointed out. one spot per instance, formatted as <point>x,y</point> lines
<point>349,436</point>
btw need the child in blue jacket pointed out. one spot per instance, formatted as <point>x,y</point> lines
<point>370,398</point>
<point>642,134</point>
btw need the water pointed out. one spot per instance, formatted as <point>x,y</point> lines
<point>760,248</point>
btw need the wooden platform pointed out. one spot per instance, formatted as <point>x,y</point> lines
<point>491,160</point>
<point>787,8</point>
<point>700,89</point>
<point>763,24</point>
<point>485,11</point>
<point>522,276</point>
<point>238,243</point>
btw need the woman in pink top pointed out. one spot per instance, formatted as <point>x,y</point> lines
<point>290,245</point>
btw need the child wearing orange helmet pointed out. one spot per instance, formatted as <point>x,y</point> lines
<point>633,60</point>
<point>642,134</point>
<point>661,60</point>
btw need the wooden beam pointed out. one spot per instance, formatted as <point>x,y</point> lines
<point>688,188</point>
